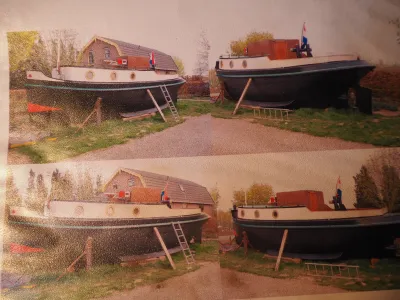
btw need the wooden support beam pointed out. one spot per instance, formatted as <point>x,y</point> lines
<point>156,104</point>
<point>97,107</point>
<point>89,256</point>
<point>242,96</point>
<point>164,248</point>
<point>285,233</point>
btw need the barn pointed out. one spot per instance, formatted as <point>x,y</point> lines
<point>182,193</point>
<point>100,51</point>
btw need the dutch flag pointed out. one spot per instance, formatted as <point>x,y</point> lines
<point>152,60</point>
<point>304,39</point>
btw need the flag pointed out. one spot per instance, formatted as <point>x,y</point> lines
<point>304,39</point>
<point>152,60</point>
<point>338,183</point>
<point>165,192</point>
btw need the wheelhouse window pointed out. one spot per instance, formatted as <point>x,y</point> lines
<point>115,186</point>
<point>91,57</point>
<point>107,53</point>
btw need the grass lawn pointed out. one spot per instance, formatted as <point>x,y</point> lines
<point>385,275</point>
<point>101,281</point>
<point>67,142</point>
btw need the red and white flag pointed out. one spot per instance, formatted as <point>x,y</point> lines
<point>152,59</point>
<point>338,183</point>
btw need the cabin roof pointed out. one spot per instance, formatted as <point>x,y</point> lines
<point>163,60</point>
<point>179,190</point>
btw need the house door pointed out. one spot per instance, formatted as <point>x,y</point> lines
<point>313,201</point>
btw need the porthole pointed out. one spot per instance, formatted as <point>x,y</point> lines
<point>231,63</point>
<point>113,75</point>
<point>110,211</point>
<point>242,213</point>
<point>256,214</point>
<point>89,75</point>
<point>136,211</point>
<point>244,64</point>
<point>133,76</point>
<point>79,211</point>
<point>222,64</point>
<point>275,214</point>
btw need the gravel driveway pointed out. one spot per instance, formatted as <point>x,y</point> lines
<point>212,283</point>
<point>205,135</point>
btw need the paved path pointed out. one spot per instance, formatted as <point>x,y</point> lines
<point>237,285</point>
<point>205,135</point>
<point>204,283</point>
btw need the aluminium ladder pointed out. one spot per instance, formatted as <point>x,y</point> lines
<point>183,243</point>
<point>170,102</point>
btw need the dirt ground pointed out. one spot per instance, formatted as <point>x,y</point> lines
<point>205,136</point>
<point>211,282</point>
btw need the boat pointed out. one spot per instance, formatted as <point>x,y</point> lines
<point>120,76</point>
<point>286,75</point>
<point>119,227</point>
<point>315,230</point>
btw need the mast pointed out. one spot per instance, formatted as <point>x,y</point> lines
<point>58,54</point>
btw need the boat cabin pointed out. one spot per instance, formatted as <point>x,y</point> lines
<point>278,49</point>
<point>313,200</point>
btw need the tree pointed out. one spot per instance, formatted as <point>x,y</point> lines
<point>66,186</point>
<point>214,192</point>
<point>238,47</point>
<point>20,46</point>
<point>180,65</point>
<point>99,184</point>
<point>396,23</point>
<point>202,55</point>
<point>39,58</point>
<point>367,195</point>
<point>41,193</point>
<point>239,197</point>
<point>391,188</point>
<point>85,187</point>
<point>68,46</point>
<point>224,219</point>
<point>31,191</point>
<point>257,193</point>
<point>12,194</point>
<point>55,185</point>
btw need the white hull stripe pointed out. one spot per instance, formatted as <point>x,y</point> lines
<point>108,227</point>
<point>317,226</point>
<point>288,74</point>
<point>101,89</point>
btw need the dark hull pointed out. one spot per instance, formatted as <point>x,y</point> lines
<point>353,238</point>
<point>318,85</point>
<point>121,97</point>
<point>111,238</point>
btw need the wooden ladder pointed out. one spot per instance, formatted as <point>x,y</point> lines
<point>183,243</point>
<point>170,103</point>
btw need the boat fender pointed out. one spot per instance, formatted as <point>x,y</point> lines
<point>110,210</point>
<point>136,211</point>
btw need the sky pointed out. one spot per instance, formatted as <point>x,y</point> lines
<point>333,26</point>
<point>313,170</point>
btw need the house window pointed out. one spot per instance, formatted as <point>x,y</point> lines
<point>115,186</point>
<point>131,182</point>
<point>201,206</point>
<point>91,57</point>
<point>107,53</point>
<point>181,187</point>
